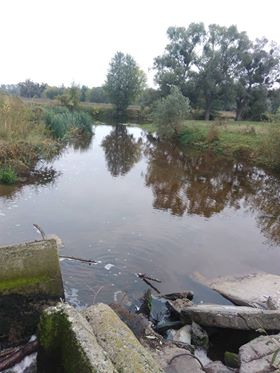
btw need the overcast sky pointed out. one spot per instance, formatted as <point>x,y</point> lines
<point>65,41</point>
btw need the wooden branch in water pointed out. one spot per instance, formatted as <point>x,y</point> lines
<point>89,261</point>
<point>13,356</point>
<point>144,276</point>
<point>151,285</point>
<point>40,230</point>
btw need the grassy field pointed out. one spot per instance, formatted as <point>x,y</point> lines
<point>258,142</point>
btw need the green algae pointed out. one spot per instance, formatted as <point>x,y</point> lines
<point>16,284</point>
<point>60,347</point>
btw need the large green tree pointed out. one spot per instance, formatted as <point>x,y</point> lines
<point>258,70</point>
<point>125,81</point>
<point>216,67</point>
<point>219,68</point>
<point>175,66</point>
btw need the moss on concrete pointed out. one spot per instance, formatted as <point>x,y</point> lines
<point>31,268</point>
<point>67,341</point>
<point>18,284</point>
<point>123,348</point>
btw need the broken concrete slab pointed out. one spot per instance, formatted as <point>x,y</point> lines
<point>121,345</point>
<point>255,290</point>
<point>31,268</point>
<point>232,317</point>
<point>67,340</point>
<point>30,281</point>
<point>260,355</point>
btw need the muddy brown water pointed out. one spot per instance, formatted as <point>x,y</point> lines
<point>137,205</point>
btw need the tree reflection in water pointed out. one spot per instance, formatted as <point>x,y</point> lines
<point>81,143</point>
<point>206,184</point>
<point>122,151</point>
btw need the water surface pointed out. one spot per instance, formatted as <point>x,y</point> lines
<point>136,205</point>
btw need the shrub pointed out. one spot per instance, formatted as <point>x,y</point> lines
<point>271,148</point>
<point>212,135</point>
<point>60,121</point>
<point>192,136</point>
<point>7,176</point>
<point>169,112</point>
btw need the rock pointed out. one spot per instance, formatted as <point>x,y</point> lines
<point>165,325</point>
<point>178,360</point>
<point>66,337</point>
<point>199,337</point>
<point>217,367</point>
<point>232,317</point>
<point>178,305</point>
<point>183,295</point>
<point>201,354</point>
<point>231,359</point>
<point>260,355</point>
<point>121,345</point>
<point>255,290</point>
<point>183,334</point>
<point>138,323</point>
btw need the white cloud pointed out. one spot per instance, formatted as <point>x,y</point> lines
<point>69,40</point>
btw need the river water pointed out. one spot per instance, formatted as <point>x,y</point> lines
<point>136,205</point>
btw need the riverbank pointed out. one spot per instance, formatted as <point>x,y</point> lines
<point>30,133</point>
<point>256,142</point>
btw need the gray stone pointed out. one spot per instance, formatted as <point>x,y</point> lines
<point>183,334</point>
<point>178,360</point>
<point>261,355</point>
<point>232,317</point>
<point>199,337</point>
<point>31,268</point>
<point>176,306</point>
<point>121,345</point>
<point>65,335</point>
<point>138,323</point>
<point>255,290</point>
<point>217,367</point>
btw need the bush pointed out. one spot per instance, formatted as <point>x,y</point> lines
<point>7,176</point>
<point>192,136</point>
<point>169,112</point>
<point>60,121</point>
<point>271,148</point>
<point>212,135</point>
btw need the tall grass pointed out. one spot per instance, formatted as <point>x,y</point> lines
<point>24,138</point>
<point>18,122</point>
<point>61,121</point>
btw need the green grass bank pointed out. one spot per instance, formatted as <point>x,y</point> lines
<point>256,142</point>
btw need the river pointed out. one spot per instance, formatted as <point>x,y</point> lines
<point>137,205</point>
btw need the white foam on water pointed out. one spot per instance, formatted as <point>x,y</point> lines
<point>23,365</point>
<point>109,266</point>
<point>201,354</point>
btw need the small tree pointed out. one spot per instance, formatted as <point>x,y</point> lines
<point>71,97</point>
<point>124,81</point>
<point>170,111</point>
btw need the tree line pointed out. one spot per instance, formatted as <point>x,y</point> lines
<point>216,68</point>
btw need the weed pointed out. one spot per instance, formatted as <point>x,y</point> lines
<point>7,176</point>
